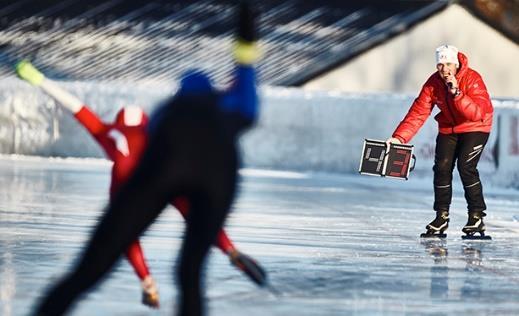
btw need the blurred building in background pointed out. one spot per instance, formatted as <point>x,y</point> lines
<point>358,46</point>
<point>487,31</point>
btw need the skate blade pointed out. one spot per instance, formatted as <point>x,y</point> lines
<point>151,300</point>
<point>472,237</point>
<point>432,236</point>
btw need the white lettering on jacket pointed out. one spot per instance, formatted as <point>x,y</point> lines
<point>121,143</point>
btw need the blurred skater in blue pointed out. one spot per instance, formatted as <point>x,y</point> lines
<point>192,152</point>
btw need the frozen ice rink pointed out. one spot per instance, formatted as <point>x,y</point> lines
<point>332,245</point>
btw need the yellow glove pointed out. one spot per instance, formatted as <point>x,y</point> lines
<point>246,50</point>
<point>26,71</point>
<point>246,53</point>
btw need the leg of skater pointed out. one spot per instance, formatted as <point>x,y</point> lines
<point>243,262</point>
<point>130,212</point>
<point>444,161</point>
<point>203,224</point>
<point>471,148</point>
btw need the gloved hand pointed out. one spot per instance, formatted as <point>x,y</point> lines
<point>393,140</point>
<point>26,71</point>
<point>150,294</point>
<point>245,48</point>
<point>252,269</point>
<point>246,22</point>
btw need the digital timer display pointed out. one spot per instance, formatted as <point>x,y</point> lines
<point>379,160</point>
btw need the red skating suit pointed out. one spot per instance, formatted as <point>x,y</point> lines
<point>124,145</point>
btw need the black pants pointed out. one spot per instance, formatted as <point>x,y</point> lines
<point>192,153</point>
<point>466,149</point>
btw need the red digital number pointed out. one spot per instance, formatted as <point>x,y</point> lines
<point>401,163</point>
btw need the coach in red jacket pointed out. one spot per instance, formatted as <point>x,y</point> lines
<point>464,125</point>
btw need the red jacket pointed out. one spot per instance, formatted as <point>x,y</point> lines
<point>471,111</point>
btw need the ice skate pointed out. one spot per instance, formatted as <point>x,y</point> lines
<point>249,266</point>
<point>475,225</point>
<point>436,228</point>
<point>150,294</point>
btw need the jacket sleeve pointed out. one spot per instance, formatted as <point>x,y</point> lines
<point>417,115</point>
<point>474,100</point>
<point>64,98</point>
<point>89,120</point>
<point>76,107</point>
<point>242,97</point>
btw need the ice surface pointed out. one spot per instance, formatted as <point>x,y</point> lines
<point>332,245</point>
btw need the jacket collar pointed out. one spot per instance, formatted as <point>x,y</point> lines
<point>464,65</point>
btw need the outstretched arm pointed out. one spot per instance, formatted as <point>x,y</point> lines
<point>416,117</point>
<point>26,71</point>
<point>242,98</point>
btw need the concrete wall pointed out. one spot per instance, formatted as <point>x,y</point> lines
<point>404,63</point>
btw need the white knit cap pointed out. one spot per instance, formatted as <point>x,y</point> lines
<point>447,54</point>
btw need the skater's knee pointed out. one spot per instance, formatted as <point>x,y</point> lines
<point>443,166</point>
<point>466,167</point>
<point>468,174</point>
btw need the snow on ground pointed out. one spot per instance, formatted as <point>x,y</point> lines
<point>332,244</point>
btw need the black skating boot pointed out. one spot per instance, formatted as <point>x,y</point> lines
<point>437,226</point>
<point>474,225</point>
